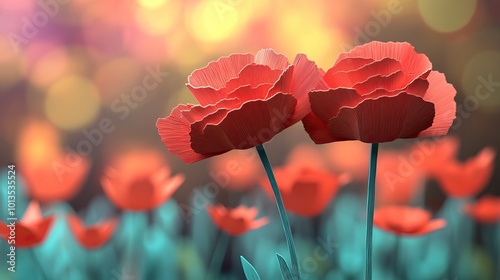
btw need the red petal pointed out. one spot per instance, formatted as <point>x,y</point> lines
<point>342,78</point>
<point>217,73</point>
<point>433,225</point>
<point>243,129</point>
<point>272,59</point>
<point>442,95</point>
<point>383,119</point>
<point>174,132</point>
<point>412,62</point>
<point>205,82</point>
<point>327,104</point>
<point>351,64</point>
<point>252,75</point>
<point>317,129</point>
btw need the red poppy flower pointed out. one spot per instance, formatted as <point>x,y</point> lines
<point>30,231</point>
<point>379,92</point>
<point>306,192</point>
<point>51,180</point>
<point>139,182</point>
<point>462,180</point>
<point>393,185</point>
<point>351,157</point>
<point>92,237</point>
<point>235,221</point>
<point>486,210</point>
<point>404,220</point>
<point>244,101</point>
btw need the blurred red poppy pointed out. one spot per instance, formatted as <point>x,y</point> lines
<point>396,185</point>
<point>485,211</point>
<point>244,101</point>
<point>52,179</point>
<point>92,237</point>
<point>306,192</point>
<point>139,181</point>
<point>351,157</point>
<point>467,179</point>
<point>235,221</point>
<point>437,153</point>
<point>404,220</point>
<point>30,231</point>
<point>379,92</point>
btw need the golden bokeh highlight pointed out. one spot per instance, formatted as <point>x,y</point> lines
<point>158,20</point>
<point>447,15</point>
<point>38,141</point>
<point>481,79</point>
<point>216,20</point>
<point>72,102</point>
<point>151,4</point>
<point>294,35</point>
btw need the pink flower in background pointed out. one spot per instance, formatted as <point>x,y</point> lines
<point>404,220</point>
<point>244,100</point>
<point>92,237</point>
<point>486,210</point>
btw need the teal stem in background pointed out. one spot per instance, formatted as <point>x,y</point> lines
<point>398,268</point>
<point>370,207</point>
<point>281,210</point>
<point>219,255</point>
<point>39,266</point>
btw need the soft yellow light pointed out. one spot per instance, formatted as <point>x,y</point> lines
<point>72,103</point>
<point>216,20</point>
<point>37,141</point>
<point>447,15</point>
<point>294,35</point>
<point>158,20</point>
<point>152,3</point>
<point>481,81</point>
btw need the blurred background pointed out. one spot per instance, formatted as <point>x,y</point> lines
<point>73,73</point>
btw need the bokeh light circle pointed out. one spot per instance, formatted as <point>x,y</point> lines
<point>447,15</point>
<point>72,102</point>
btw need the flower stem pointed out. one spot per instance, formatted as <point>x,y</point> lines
<point>38,264</point>
<point>218,256</point>
<point>281,210</point>
<point>370,207</point>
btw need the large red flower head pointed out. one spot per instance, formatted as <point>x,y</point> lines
<point>379,92</point>
<point>139,181</point>
<point>467,179</point>
<point>30,231</point>
<point>306,192</point>
<point>486,210</point>
<point>92,237</point>
<point>235,221</point>
<point>404,220</point>
<point>244,100</point>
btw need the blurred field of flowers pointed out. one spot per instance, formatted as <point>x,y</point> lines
<point>83,82</point>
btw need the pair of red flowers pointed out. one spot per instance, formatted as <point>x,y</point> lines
<point>375,93</point>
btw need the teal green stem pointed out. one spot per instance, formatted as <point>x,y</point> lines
<point>218,256</point>
<point>38,264</point>
<point>281,210</point>
<point>370,207</point>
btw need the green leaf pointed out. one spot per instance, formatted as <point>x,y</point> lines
<point>249,270</point>
<point>285,271</point>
